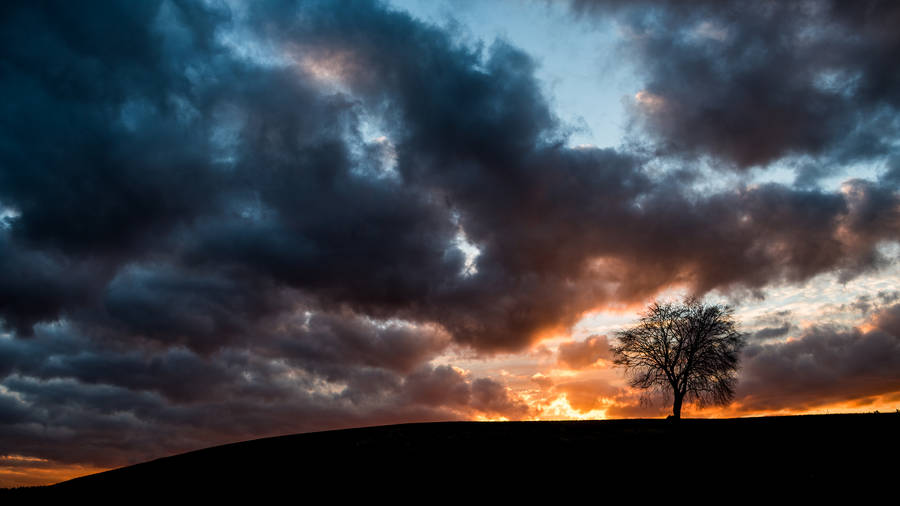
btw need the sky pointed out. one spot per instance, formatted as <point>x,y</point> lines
<point>225,220</point>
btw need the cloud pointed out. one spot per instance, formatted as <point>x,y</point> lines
<point>581,354</point>
<point>771,332</point>
<point>135,406</point>
<point>247,203</point>
<point>25,471</point>
<point>888,320</point>
<point>825,365</point>
<point>867,303</point>
<point>753,83</point>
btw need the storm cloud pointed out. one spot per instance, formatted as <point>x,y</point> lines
<point>825,364</point>
<point>221,221</point>
<point>752,83</point>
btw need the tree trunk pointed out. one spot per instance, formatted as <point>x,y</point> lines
<point>676,407</point>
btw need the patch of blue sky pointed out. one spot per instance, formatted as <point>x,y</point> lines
<point>580,64</point>
<point>7,216</point>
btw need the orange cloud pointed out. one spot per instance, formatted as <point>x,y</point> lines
<point>581,354</point>
<point>26,471</point>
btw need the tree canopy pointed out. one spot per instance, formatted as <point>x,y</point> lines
<point>688,350</point>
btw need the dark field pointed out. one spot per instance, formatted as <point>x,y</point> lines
<point>845,451</point>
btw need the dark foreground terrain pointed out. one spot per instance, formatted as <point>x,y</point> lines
<point>462,458</point>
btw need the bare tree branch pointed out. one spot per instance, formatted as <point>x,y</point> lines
<point>689,350</point>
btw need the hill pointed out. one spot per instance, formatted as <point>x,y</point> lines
<point>464,457</point>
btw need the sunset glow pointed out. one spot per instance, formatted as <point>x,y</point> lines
<point>24,471</point>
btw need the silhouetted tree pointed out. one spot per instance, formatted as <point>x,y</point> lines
<point>688,350</point>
